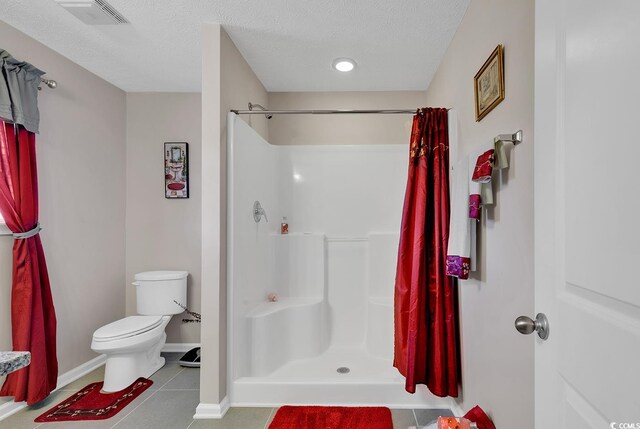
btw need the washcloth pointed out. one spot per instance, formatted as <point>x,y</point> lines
<point>476,200</point>
<point>459,247</point>
<point>499,162</point>
<point>501,156</point>
<point>476,197</point>
<point>484,167</point>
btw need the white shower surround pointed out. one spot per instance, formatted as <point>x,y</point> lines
<point>334,273</point>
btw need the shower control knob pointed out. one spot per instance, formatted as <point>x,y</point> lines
<point>525,325</point>
<point>258,212</point>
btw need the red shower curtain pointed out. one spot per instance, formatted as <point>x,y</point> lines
<point>426,345</point>
<point>33,319</point>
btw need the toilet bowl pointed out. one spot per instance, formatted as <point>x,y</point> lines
<point>133,344</point>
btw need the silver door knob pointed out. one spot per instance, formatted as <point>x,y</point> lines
<point>526,326</point>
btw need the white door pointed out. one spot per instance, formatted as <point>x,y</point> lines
<point>587,213</point>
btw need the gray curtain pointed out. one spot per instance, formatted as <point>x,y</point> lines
<point>19,92</point>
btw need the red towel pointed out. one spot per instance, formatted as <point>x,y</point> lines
<point>480,418</point>
<point>484,167</point>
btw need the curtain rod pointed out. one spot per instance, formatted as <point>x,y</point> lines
<point>269,113</point>
<point>49,82</point>
<point>322,112</point>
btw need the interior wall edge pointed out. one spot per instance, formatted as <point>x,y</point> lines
<point>210,371</point>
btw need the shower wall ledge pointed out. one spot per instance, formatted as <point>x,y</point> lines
<point>286,330</point>
<point>266,308</point>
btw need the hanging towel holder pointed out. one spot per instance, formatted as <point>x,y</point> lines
<point>516,138</point>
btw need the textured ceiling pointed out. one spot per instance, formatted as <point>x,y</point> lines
<point>290,44</point>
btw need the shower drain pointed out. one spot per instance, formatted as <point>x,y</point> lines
<point>343,370</point>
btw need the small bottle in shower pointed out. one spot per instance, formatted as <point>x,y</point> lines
<point>284,226</point>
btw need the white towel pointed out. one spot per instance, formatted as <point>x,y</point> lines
<point>467,199</point>
<point>459,248</point>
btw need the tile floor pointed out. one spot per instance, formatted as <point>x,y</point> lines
<point>171,403</point>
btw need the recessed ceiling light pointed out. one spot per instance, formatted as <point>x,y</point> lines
<point>344,64</point>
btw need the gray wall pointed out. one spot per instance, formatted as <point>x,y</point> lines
<point>497,362</point>
<point>81,162</point>
<point>163,234</point>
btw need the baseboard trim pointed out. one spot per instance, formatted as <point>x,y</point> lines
<point>456,408</point>
<point>10,408</point>
<point>68,377</point>
<point>212,411</point>
<point>179,347</point>
<point>80,371</point>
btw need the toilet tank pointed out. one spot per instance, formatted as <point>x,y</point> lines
<point>156,292</point>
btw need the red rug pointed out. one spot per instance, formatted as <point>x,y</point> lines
<point>90,404</point>
<point>289,417</point>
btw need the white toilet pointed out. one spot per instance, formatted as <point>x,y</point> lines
<point>133,344</point>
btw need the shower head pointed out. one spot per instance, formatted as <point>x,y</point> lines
<point>251,106</point>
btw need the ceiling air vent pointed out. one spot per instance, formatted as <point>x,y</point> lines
<point>93,12</point>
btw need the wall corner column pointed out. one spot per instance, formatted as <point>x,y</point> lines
<point>212,376</point>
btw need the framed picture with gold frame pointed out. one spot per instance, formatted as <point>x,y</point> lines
<point>489,83</point>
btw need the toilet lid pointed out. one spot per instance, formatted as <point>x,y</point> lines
<point>127,327</point>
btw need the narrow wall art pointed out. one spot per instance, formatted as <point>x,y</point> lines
<point>489,83</point>
<point>176,170</point>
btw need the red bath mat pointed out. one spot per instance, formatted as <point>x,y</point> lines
<point>289,417</point>
<point>90,404</point>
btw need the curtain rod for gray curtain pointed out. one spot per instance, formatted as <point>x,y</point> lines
<point>50,83</point>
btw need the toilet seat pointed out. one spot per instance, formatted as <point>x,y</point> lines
<point>127,327</point>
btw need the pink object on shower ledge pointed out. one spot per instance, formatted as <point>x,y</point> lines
<point>272,297</point>
<point>453,423</point>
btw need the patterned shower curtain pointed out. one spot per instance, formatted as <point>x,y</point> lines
<point>425,313</point>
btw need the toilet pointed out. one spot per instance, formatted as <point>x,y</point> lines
<point>133,344</point>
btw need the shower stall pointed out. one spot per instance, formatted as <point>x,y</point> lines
<point>328,338</point>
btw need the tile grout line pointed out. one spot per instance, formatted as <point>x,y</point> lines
<point>191,424</point>
<point>180,390</point>
<point>150,396</point>
<point>273,410</point>
<point>415,417</point>
<point>126,415</point>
